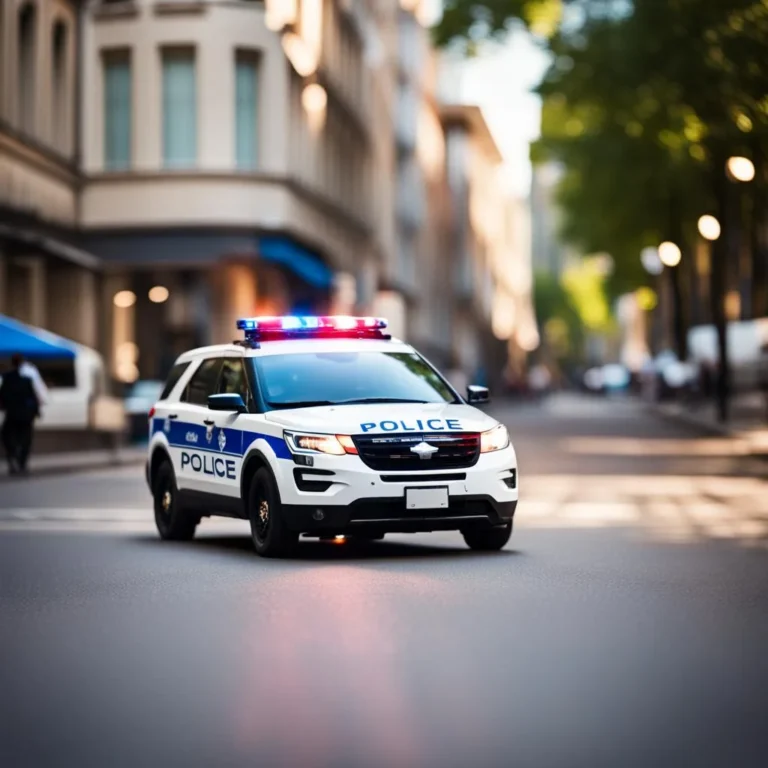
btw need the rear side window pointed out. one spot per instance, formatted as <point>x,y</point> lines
<point>203,382</point>
<point>173,379</point>
<point>233,379</point>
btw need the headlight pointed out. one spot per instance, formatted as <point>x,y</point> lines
<point>495,439</point>
<point>336,445</point>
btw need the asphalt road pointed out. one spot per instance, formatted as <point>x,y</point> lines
<point>626,623</point>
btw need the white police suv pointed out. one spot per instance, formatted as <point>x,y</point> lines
<point>326,426</point>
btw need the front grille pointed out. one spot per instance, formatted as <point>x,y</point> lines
<point>425,477</point>
<point>392,453</point>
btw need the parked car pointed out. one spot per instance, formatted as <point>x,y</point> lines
<point>138,403</point>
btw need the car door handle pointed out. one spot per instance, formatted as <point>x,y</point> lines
<point>208,423</point>
<point>173,415</point>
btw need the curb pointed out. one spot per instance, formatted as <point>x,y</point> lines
<point>692,421</point>
<point>708,428</point>
<point>69,469</point>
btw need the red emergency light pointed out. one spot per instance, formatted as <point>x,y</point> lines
<point>325,326</point>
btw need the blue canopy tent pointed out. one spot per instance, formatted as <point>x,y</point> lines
<point>33,343</point>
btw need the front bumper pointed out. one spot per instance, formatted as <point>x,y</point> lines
<point>391,516</point>
<point>358,498</point>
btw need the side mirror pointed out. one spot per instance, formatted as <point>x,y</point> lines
<point>477,394</point>
<point>231,402</point>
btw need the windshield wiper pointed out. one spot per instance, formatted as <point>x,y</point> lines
<point>363,400</point>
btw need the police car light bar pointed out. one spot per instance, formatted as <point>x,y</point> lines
<point>291,326</point>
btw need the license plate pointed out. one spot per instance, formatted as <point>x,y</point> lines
<point>426,498</point>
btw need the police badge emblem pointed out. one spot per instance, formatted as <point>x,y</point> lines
<point>167,425</point>
<point>222,439</point>
<point>209,433</point>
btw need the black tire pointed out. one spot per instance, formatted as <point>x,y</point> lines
<point>488,539</point>
<point>270,536</point>
<point>173,522</point>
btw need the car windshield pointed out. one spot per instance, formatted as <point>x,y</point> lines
<point>335,378</point>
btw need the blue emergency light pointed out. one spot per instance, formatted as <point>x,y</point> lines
<point>310,326</point>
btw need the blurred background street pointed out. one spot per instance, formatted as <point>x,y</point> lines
<point>625,624</point>
<point>563,200</point>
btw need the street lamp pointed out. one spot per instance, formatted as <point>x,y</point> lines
<point>669,254</point>
<point>741,169</point>
<point>709,227</point>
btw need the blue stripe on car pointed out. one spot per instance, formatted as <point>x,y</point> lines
<point>184,434</point>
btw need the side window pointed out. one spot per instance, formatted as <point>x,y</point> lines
<point>173,379</point>
<point>203,382</point>
<point>233,379</point>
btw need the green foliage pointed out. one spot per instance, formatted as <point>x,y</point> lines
<point>570,308</point>
<point>584,284</point>
<point>642,103</point>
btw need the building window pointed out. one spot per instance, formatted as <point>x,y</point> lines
<point>117,111</point>
<point>26,67</point>
<point>179,109</point>
<point>59,81</point>
<point>246,110</point>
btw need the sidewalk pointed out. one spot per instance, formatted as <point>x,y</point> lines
<point>748,423</point>
<point>78,461</point>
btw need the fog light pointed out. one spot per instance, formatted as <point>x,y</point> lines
<point>318,515</point>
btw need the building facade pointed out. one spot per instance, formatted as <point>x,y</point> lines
<point>166,167</point>
<point>473,162</point>
<point>46,277</point>
<point>228,160</point>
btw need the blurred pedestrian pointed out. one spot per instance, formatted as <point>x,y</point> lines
<point>30,371</point>
<point>539,380</point>
<point>19,400</point>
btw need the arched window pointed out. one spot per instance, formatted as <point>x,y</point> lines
<point>59,84</point>
<point>26,66</point>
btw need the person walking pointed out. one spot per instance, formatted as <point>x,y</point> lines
<point>19,400</point>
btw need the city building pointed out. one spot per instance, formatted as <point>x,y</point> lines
<point>228,162</point>
<point>47,278</point>
<point>414,278</point>
<point>473,161</point>
<point>168,166</point>
<point>549,255</point>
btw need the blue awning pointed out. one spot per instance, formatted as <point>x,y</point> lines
<point>305,264</point>
<point>34,343</point>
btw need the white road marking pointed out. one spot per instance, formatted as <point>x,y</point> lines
<point>669,507</point>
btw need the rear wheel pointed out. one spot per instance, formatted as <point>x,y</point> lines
<point>173,522</point>
<point>488,539</point>
<point>270,536</point>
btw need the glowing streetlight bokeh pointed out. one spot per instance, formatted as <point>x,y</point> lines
<point>651,261</point>
<point>314,98</point>
<point>709,227</point>
<point>124,299</point>
<point>669,254</point>
<point>741,169</point>
<point>158,294</point>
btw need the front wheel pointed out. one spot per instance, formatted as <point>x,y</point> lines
<point>173,522</point>
<point>270,536</point>
<point>488,539</point>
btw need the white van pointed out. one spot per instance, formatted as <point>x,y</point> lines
<point>77,386</point>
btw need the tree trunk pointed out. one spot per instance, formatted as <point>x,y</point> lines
<point>718,287</point>
<point>680,334</point>
<point>758,236</point>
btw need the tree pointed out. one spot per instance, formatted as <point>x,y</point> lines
<point>644,102</point>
